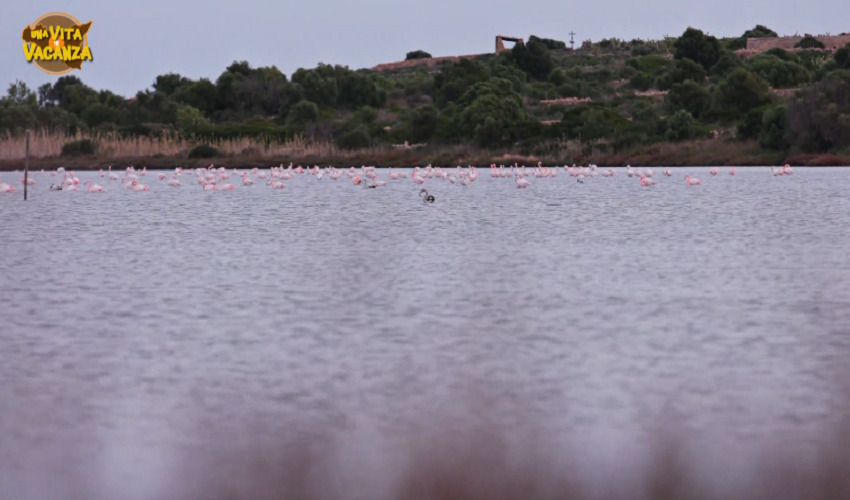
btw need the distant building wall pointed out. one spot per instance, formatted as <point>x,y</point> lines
<point>430,62</point>
<point>788,42</point>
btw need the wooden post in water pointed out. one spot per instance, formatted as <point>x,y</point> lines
<point>27,166</point>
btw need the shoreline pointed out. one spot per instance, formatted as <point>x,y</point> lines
<point>407,159</point>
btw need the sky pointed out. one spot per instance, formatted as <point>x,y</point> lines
<point>134,41</point>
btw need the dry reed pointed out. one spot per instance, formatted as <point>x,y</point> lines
<point>112,145</point>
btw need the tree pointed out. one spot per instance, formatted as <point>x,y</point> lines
<point>20,93</point>
<point>456,78</point>
<point>699,47</point>
<point>725,65</point>
<point>684,69</point>
<point>777,72</point>
<point>319,88</point>
<point>773,128</point>
<point>301,114</point>
<point>758,32</point>
<point>819,119</point>
<point>201,95</point>
<point>99,114</point>
<point>55,95</point>
<point>417,54</point>
<point>690,96</point>
<point>641,81</point>
<point>681,126</point>
<point>423,122</point>
<point>533,58</point>
<point>170,82</point>
<point>548,43</point>
<point>740,92</point>
<point>842,57</point>
<point>809,42</point>
<point>189,117</point>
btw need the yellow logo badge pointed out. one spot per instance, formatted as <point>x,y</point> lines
<point>57,43</point>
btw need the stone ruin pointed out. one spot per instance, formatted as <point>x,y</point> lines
<point>500,42</point>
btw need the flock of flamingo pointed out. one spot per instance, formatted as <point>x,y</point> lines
<point>213,178</point>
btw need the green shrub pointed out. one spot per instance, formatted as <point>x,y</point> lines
<point>417,54</point>
<point>809,42</point>
<point>78,148</point>
<point>203,151</point>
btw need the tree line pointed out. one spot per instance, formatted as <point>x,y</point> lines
<point>493,101</point>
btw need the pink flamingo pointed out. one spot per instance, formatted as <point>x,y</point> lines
<point>174,182</point>
<point>208,187</point>
<point>246,181</point>
<point>278,185</point>
<point>787,170</point>
<point>667,172</point>
<point>522,182</point>
<point>691,181</point>
<point>139,187</point>
<point>92,187</point>
<point>226,187</point>
<point>714,171</point>
<point>646,181</point>
<point>733,171</point>
<point>161,176</point>
<point>6,188</point>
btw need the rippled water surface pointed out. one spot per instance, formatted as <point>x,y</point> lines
<point>131,321</point>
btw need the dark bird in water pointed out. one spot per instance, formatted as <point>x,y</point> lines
<point>428,198</point>
<point>54,187</point>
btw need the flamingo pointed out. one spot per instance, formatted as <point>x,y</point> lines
<point>278,185</point>
<point>787,170</point>
<point>226,187</point>
<point>6,188</point>
<point>733,171</point>
<point>208,187</point>
<point>93,188</point>
<point>161,176</point>
<point>691,181</point>
<point>522,182</point>
<point>139,187</point>
<point>428,198</point>
<point>667,172</point>
<point>246,181</point>
<point>174,182</point>
<point>714,171</point>
<point>646,181</point>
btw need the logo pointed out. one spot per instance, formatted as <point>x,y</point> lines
<point>57,43</point>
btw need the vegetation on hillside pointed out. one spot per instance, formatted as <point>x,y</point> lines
<point>612,97</point>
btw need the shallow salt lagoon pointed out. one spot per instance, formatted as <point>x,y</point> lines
<point>142,327</point>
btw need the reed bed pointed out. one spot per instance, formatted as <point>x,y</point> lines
<point>44,144</point>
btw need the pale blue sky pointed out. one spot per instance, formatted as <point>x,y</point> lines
<point>133,42</point>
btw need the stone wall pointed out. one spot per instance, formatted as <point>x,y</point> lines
<point>430,62</point>
<point>788,42</point>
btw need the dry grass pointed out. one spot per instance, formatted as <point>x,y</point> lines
<point>112,145</point>
<point>171,150</point>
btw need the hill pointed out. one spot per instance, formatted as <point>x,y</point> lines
<point>694,99</point>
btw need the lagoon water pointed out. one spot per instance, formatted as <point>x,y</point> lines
<point>141,328</point>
